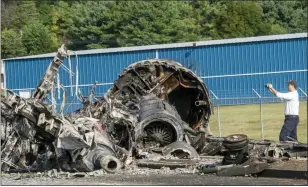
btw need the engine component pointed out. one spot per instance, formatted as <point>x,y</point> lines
<point>159,132</point>
<point>181,150</point>
<point>235,141</point>
<point>159,124</point>
<point>98,158</point>
<point>236,146</point>
<point>169,81</point>
<point>149,89</point>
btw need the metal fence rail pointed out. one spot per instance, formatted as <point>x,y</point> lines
<point>258,99</point>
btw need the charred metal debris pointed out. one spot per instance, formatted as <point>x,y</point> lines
<point>155,115</point>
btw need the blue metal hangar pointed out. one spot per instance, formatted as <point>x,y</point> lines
<point>230,68</point>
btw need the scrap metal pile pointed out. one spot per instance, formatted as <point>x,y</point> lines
<point>155,109</point>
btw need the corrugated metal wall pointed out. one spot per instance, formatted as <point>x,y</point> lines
<point>229,70</point>
<point>233,70</point>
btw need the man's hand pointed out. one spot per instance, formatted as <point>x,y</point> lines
<point>271,89</point>
<point>269,85</point>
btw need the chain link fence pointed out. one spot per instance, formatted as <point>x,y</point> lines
<point>255,111</point>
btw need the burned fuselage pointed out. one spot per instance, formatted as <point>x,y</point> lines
<point>155,101</point>
<point>152,104</point>
<point>167,80</point>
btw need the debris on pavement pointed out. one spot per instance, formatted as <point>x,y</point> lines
<point>249,167</point>
<point>170,163</point>
<point>213,168</point>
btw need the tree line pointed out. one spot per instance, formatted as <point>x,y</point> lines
<point>36,27</point>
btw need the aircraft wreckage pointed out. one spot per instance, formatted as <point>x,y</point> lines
<point>155,107</point>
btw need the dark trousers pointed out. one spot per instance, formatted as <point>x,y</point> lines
<point>289,128</point>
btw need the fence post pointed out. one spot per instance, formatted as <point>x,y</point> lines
<point>261,116</point>
<point>218,112</point>
<point>303,92</point>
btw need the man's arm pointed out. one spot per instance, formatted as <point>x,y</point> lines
<point>275,92</point>
<point>285,96</point>
<point>271,89</point>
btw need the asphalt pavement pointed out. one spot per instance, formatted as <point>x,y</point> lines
<point>153,179</point>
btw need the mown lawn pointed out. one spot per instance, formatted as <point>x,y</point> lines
<point>245,119</point>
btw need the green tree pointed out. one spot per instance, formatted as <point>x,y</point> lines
<point>156,22</point>
<point>241,19</point>
<point>78,23</point>
<point>7,10</point>
<point>285,16</point>
<point>11,44</point>
<point>101,24</point>
<point>206,13</point>
<point>44,9</point>
<point>293,15</point>
<point>37,39</point>
<point>25,12</point>
<point>114,24</point>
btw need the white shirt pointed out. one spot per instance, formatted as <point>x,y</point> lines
<point>291,102</point>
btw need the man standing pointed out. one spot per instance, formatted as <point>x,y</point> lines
<point>288,130</point>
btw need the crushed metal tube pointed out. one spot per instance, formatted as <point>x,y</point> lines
<point>141,117</point>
